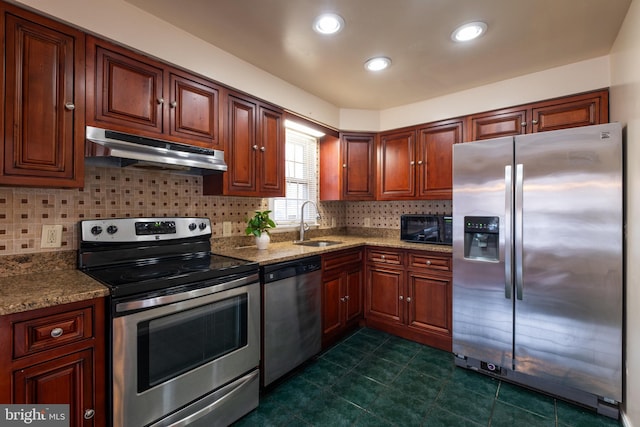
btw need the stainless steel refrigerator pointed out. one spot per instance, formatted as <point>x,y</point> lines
<point>538,261</point>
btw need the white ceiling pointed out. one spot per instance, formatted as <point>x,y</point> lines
<point>524,36</point>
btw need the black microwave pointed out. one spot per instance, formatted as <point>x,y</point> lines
<point>434,229</point>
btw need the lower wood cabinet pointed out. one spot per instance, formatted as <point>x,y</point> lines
<point>342,291</point>
<point>408,293</point>
<point>56,355</point>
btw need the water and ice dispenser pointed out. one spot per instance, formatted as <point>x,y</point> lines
<point>481,238</point>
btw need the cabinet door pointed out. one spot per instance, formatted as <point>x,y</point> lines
<point>574,111</point>
<point>357,167</point>
<point>66,380</point>
<point>332,306</point>
<point>396,166</point>
<point>125,90</point>
<point>241,148</point>
<point>271,144</point>
<point>435,159</point>
<point>385,295</point>
<point>43,102</point>
<point>494,124</point>
<point>193,112</point>
<point>429,307</point>
<point>353,294</point>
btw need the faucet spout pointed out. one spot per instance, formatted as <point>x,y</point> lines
<point>302,224</point>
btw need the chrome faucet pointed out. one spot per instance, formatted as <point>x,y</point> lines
<point>303,226</point>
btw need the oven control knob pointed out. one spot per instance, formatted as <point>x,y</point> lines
<point>192,226</point>
<point>202,226</point>
<point>96,229</point>
<point>112,229</point>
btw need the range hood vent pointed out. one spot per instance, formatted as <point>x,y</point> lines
<point>111,148</point>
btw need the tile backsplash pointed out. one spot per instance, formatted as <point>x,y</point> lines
<point>112,192</point>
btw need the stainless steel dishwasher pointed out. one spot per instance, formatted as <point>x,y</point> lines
<point>292,315</point>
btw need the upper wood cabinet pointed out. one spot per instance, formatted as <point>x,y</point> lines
<point>585,109</point>
<point>416,163</point>
<point>136,94</point>
<point>254,150</point>
<point>347,167</point>
<point>43,101</point>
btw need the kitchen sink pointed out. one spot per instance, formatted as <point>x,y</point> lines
<point>316,243</point>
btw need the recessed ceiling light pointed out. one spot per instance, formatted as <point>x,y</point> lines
<point>469,31</point>
<point>328,23</point>
<point>377,64</point>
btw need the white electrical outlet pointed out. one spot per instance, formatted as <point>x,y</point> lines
<point>367,222</point>
<point>226,228</point>
<point>51,236</point>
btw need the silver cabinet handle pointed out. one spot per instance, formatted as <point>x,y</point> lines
<point>523,124</point>
<point>401,297</point>
<point>344,165</point>
<point>173,104</point>
<point>412,163</point>
<point>70,106</point>
<point>342,299</point>
<point>408,299</point>
<point>428,262</point>
<point>263,149</point>
<point>346,297</point>
<point>56,332</point>
<point>89,413</point>
<point>535,122</point>
<point>255,147</point>
<point>160,100</point>
<point>420,162</point>
<point>382,256</point>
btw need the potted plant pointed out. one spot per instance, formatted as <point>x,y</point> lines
<point>259,226</point>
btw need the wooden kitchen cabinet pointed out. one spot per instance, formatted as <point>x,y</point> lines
<point>132,93</point>
<point>56,355</point>
<point>408,293</point>
<point>347,167</point>
<point>415,163</point>
<point>254,150</point>
<point>43,94</point>
<point>585,109</point>
<point>342,293</point>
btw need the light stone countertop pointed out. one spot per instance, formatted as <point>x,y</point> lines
<point>29,291</point>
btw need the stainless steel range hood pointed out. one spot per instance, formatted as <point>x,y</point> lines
<point>123,149</point>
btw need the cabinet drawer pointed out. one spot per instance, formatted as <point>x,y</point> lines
<point>429,261</point>
<point>340,259</point>
<point>44,333</point>
<point>385,257</point>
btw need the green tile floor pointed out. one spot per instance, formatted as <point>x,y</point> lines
<point>375,379</point>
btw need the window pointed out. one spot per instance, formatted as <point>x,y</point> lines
<point>301,176</point>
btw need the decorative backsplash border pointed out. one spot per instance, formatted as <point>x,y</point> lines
<point>114,192</point>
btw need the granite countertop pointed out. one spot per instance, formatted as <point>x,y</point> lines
<point>45,289</point>
<point>55,281</point>
<point>287,251</point>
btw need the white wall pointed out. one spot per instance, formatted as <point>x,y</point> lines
<point>625,108</point>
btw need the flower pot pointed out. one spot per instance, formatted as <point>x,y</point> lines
<point>262,242</point>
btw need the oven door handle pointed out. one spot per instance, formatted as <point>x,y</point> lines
<point>146,303</point>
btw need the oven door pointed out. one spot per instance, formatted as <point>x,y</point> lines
<point>171,350</point>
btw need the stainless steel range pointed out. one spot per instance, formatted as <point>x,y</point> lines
<point>184,325</point>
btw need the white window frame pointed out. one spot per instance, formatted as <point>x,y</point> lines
<point>301,176</point>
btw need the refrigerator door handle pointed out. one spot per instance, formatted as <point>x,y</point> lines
<point>508,208</point>
<point>518,229</point>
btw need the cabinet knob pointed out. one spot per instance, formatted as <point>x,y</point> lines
<point>173,104</point>
<point>342,299</point>
<point>89,413</point>
<point>56,332</point>
<point>428,262</point>
<point>346,297</point>
<point>382,257</point>
<point>408,299</point>
<point>70,106</point>
<point>344,165</point>
<point>523,124</point>
<point>255,147</point>
<point>401,297</point>
<point>412,163</point>
<point>420,162</point>
<point>535,122</point>
<point>160,101</point>
<point>263,149</point>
